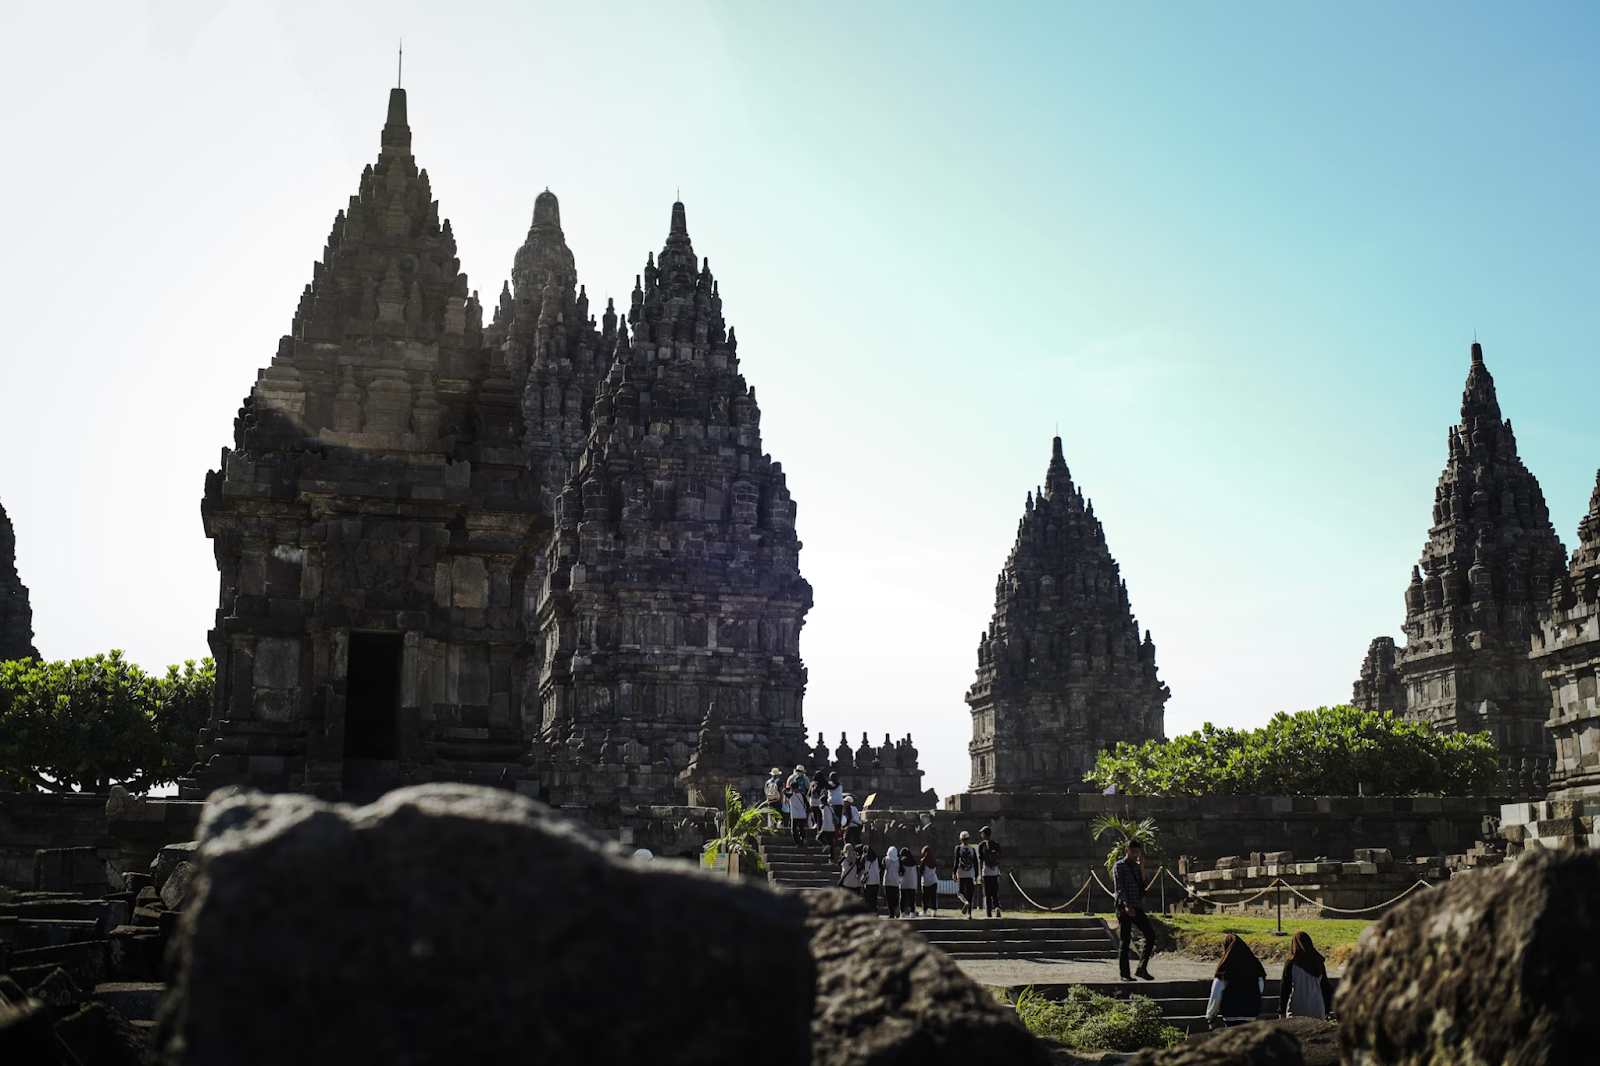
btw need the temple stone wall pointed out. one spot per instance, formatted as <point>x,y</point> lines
<point>1049,843</point>
<point>1062,673</point>
<point>127,836</point>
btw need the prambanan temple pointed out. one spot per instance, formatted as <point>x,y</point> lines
<point>1062,673</point>
<point>547,551</point>
<point>1477,600</point>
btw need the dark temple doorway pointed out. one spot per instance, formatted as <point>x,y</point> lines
<point>372,695</point>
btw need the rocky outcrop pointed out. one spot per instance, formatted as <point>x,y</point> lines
<point>1496,966</point>
<point>1256,1044</point>
<point>886,997</point>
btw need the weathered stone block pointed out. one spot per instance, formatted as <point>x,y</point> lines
<point>1496,966</point>
<point>451,923</point>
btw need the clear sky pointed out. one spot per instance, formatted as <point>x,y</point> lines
<point>1236,252</point>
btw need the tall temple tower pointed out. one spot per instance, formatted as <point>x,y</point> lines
<point>16,615</point>
<point>1062,673</point>
<point>670,616</point>
<point>1566,651</point>
<point>1487,571</point>
<point>373,520</point>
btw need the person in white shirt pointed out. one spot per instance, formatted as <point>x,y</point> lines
<point>850,870</point>
<point>852,821</point>
<point>891,881</point>
<point>827,833</point>
<point>836,797</point>
<point>930,881</point>
<point>871,877</point>
<point>799,812</point>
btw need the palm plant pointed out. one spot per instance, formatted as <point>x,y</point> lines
<point>741,828</point>
<point>1129,831</point>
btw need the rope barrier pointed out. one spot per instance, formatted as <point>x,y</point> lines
<point>1277,881</point>
<point>1040,906</point>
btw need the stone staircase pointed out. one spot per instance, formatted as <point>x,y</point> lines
<point>1182,1003</point>
<point>801,867</point>
<point>1060,939</point>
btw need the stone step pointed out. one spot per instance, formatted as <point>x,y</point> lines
<point>135,1000</point>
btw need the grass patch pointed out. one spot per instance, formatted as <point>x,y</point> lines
<point>1088,1021</point>
<point>1202,935</point>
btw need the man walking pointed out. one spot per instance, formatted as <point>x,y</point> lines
<point>1127,879</point>
<point>989,863</point>
<point>966,868</point>
<point>799,812</point>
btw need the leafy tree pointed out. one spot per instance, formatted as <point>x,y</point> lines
<point>741,831</point>
<point>1331,751</point>
<point>88,723</point>
<point>1127,832</point>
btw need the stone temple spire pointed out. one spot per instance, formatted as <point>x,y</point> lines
<point>1488,568</point>
<point>1062,671</point>
<point>372,519</point>
<point>674,579</point>
<point>16,616</point>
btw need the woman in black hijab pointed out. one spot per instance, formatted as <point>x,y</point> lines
<point>1237,985</point>
<point>1304,991</point>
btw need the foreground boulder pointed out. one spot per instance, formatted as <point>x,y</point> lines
<point>1498,966</point>
<point>886,997</point>
<point>447,923</point>
<point>1252,1044</point>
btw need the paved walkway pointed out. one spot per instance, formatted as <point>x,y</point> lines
<point>1167,966</point>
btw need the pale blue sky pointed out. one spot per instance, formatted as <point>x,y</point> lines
<point>1236,252</point>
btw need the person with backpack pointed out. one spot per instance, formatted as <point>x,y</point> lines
<point>1236,986</point>
<point>799,812</point>
<point>929,866</point>
<point>852,820</point>
<point>910,881</point>
<point>1127,881</point>
<point>772,792</point>
<point>871,877</point>
<point>819,788</point>
<point>966,869</point>
<point>850,870</point>
<point>1304,990</point>
<point>835,798</point>
<point>989,866</point>
<point>891,881</point>
<point>828,832</point>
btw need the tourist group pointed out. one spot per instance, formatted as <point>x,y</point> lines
<point>821,808</point>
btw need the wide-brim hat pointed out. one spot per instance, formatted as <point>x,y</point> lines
<point>799,769</point>
<point>849,799</point>
<point>965,835</point>
<point>776,771</point>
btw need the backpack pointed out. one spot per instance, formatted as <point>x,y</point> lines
<point>966,857</point>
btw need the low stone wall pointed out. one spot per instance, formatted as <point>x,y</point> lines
<point>30,821</point>
<point>1049,844</point>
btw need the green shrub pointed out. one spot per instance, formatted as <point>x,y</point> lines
<point>1331,751</point>
<point>89,723</point>
<point>1089,1021</point>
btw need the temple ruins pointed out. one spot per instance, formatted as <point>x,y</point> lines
<point>1062,673</point>
<point>1487,572</point>
<point>16,616</point>
<point>547,552</point>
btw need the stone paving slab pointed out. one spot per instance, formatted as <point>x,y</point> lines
<point>1167,966</point>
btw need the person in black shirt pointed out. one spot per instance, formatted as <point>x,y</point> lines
<point>1127,878</point>
<point>989,865</point>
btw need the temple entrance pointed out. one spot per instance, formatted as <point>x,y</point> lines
<point>372,695</point>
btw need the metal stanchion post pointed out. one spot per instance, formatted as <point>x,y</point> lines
<point>1163,897</point>
<point>1280,908</point>
<point>1088,894</point>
